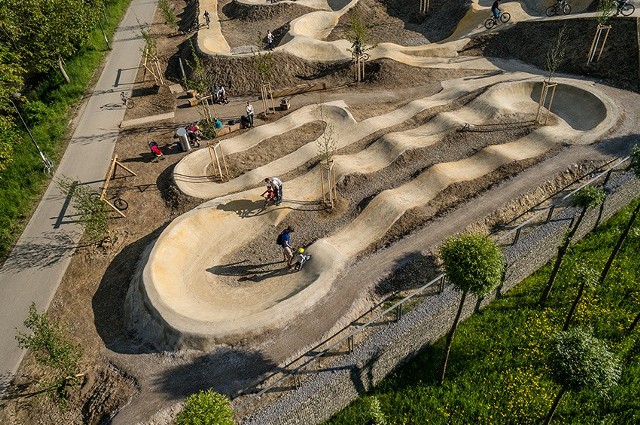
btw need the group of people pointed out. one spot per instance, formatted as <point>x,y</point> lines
<point>219,94</point>
<point>274,191</point>
<point>294,259</point>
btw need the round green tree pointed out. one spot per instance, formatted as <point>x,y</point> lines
<point>579,360</point>
<point>206,408</point>
<point>473,263</point>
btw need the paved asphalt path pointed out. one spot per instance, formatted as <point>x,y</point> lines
<point>35,267</point>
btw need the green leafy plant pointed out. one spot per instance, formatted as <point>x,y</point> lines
<point>206,408</point>
<point>52,349</point>
<point>587,277</point>
<point>555,54</point>
<point>359,35</point>
<point>326,143</point>
<point>167,14</point>
<point>473,263</point>
<point>578,360</point>
<point>198,79</point>
<point>375,413</point>
<point>94,214</point>
<point>150,48</point>
<point>606,10</point>
<point>264,64</point>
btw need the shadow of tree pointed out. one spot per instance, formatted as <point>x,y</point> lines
<point>227,370</point>
<point>410,272</point>
<point>41,252</point>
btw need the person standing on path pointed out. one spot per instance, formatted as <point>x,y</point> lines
<point>207,18</point>
<point>276,184</point>
<point>269,40</point>
<point>250,113</point>
<point>287,250</point>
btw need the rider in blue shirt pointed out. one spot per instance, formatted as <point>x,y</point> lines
<point>495,9</point>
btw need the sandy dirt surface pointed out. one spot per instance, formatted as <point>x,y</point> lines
<point>122,367</point>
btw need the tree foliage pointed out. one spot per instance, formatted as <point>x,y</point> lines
<point>94,214</point>
<point>42,32</point>
<point>206,408</point>
<point>555,54</point>
<point>579,360</point>
<point>52,349</point>
<point>11,80</point>
<point>473,262</point>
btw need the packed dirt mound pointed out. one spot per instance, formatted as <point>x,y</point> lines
<point>400,22</point>
<point>530,42</point>
<point>248,12</point>
<point>240,77</point>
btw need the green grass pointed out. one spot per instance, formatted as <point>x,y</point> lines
<point>51,104</point>
<point>497,371</point>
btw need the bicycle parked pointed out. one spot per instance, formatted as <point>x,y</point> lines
<point>492,21</point>
<point>126,100</point>
<point>561,6</point>
<point>624,8</point>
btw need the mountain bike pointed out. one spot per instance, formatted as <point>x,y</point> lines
<point>492,21</point>
<point>126,100</point>
<point>625,8</point>
<point>561,6</point>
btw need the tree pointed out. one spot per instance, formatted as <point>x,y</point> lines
<point>44,33</point>
<point>578,360</point>
<point>473,263</point>
<point>359,35</point>
<point>585,198</point>
<point>206,408</point>
<point>635,167</point>
<point>11,79</point>
<point>94,215</point>
<point>555,54</point>
<point>326,143</point>
<point>52,349</point>
<point>606,10</point>
<point>167,14</point>
<point>587,277</point>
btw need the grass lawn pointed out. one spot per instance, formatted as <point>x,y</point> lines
<point>498,371</point>
<point>48,110</point>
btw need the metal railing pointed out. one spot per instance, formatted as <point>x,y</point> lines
<point>441,279</point>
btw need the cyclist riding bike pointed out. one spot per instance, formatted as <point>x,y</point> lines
<point>495,9</point>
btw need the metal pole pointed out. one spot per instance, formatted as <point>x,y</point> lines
<point>104,35</point>
<point>48,164</point>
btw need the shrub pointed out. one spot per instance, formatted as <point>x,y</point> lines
<point>206,408</point>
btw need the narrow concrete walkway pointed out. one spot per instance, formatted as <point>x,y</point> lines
<point>35,267</point>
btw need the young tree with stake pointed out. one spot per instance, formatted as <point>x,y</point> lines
<point>473,264</point>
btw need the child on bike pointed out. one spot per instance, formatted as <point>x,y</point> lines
<point>269,195</point>
<point>495,9</point>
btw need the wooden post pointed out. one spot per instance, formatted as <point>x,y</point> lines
<point>596,42</point>
<point>328,185</point>
<point>111,173</point>
<point>544,92</point>
<point>359,63</point>
<point>424,6</point>
<point>215,151</point>
<point>266,93</point>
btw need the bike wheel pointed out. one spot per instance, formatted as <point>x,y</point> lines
<point>194,143</point>
<point>120,204</point>
<point>566,9</point>
<point>551,10</point>
<point>129,103</point>
<point>504,18</point>
<point>489,23</point>
<point>627,9</point>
